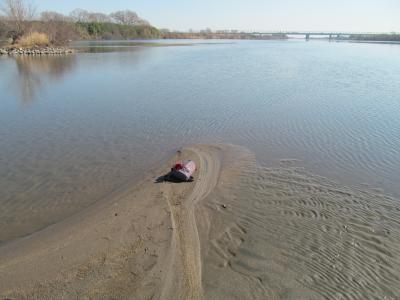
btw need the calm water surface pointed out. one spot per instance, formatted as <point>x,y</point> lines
<point>75,128</point>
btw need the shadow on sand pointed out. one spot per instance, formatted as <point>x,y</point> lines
<point>169,177</point>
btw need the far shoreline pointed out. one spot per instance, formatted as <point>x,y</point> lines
<point>80,45</point>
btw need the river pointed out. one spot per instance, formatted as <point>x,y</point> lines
<point>75,128</point>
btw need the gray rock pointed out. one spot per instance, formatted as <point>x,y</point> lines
<point>36,51</point>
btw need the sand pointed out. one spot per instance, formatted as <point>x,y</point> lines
<point>239,231</point>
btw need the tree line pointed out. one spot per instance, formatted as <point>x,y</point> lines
<point>19,18</point>
<point>125,17</point>
<point>383,37</point>
<point>207,34</point>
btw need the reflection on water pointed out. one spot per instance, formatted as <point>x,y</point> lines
<point>123,46</point>
<point>35,72</point>
<point>101,49</point>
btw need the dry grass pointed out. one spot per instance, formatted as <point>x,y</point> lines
<point>34,39</point>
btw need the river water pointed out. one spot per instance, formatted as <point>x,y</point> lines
<point>75,128</point>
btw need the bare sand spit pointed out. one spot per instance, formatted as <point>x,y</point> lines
<point>141,243</point>
<point>239,231</point>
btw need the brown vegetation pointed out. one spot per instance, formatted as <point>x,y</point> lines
<point>33,39</point>
<point>59,28</point>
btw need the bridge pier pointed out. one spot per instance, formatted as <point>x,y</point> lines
<point>307,37</point>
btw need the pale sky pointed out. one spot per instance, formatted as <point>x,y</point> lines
<point>279,15</point>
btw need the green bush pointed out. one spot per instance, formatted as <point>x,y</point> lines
<point>97,30</point>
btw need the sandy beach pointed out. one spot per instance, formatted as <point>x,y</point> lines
<point>239,231</point>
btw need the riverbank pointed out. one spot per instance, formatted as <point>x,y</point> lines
<point>35,51</point>
<point>239,231</point>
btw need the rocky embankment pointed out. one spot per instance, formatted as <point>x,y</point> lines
<point>36,51</point>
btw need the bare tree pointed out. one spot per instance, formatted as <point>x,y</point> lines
<point>3,27</point>
<point>128,17</point>
<point>98,17</point>
<point>58,27</point>
<point>18,14</point>
<point>79,15</point>
<point>48,16</point>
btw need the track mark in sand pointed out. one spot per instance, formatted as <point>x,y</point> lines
<point>186,242</point>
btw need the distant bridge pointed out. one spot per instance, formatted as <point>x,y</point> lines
<point>308,34</point>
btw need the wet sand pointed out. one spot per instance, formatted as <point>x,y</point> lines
<point>239,231</point>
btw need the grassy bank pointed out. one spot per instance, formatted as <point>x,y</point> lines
<point>62,32</point>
